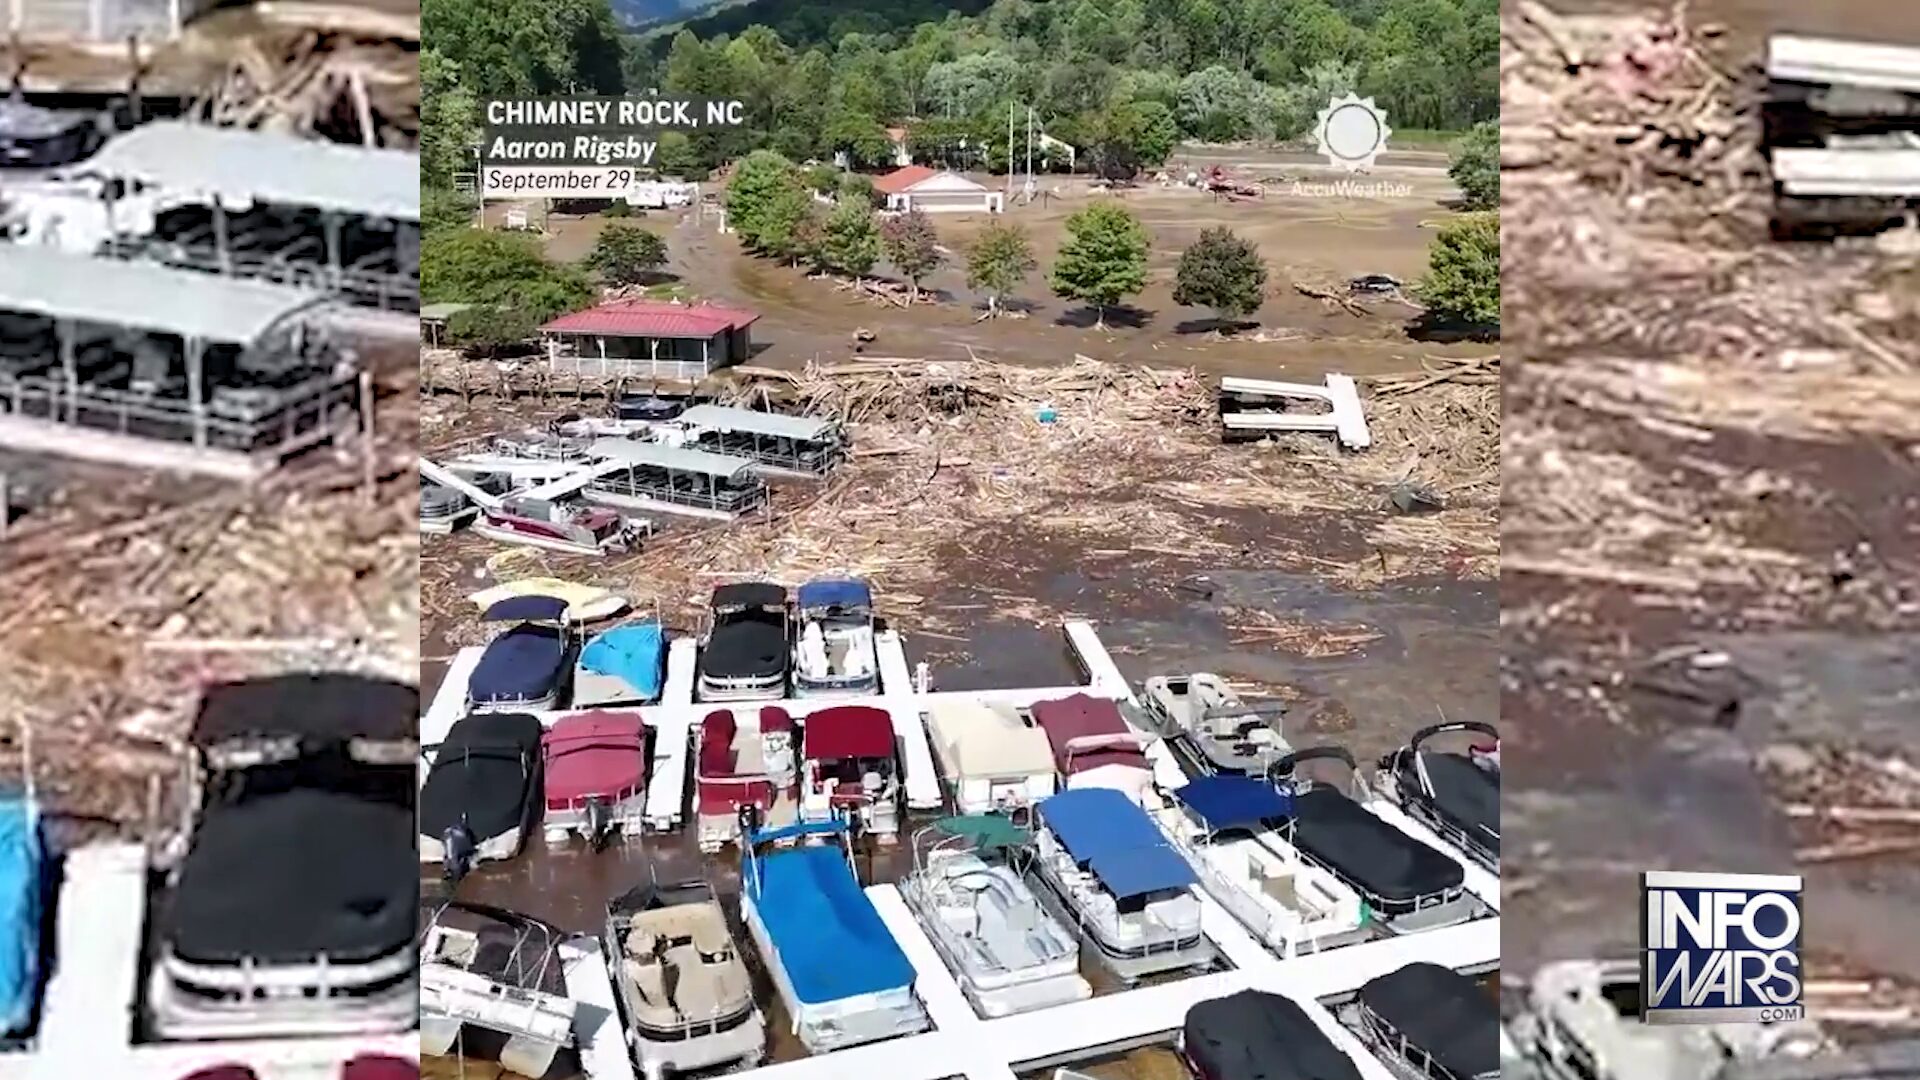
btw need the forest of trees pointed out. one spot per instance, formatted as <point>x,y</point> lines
<point>1123,79</point>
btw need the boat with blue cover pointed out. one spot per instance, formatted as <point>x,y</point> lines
<point>842,977</point>
<point>22,906</point>
<point>834,654</point>
<point>1121,881</point>
<point>526,667</point>
<point>623,665</point>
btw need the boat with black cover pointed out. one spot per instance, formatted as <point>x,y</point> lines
<point>1255,1035</point>
<point>1407,884</point>
<point>482,791</point>
<point>1431,1023</point>
<point>746,652</point>
<point>1452,793</point>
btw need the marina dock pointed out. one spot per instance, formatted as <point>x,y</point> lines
<point>599,1034</point>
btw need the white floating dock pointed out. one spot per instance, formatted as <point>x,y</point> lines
<point>896,678</point>
<point>1807,171</point>
<point>1344,418</point>
<point>597,1031</point>
<point>1795,58</point>
<point>449,702</point>
<point>672,725</point>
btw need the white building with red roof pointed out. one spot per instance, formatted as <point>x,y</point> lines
<point>936,191</point>
<point>650,339</point>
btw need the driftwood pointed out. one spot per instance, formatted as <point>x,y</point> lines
<point>1331,297</point>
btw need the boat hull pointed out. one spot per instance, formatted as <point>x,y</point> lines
<point>181,1013</point>
<point>836,1025</point>
<point>493,531</point>
<point>1127,961</point>
<point>447,525</point>
<point>627,817</point>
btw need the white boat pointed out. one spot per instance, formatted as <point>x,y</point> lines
<point>1006,950</point>
<point>850,766</point>
<point>992,761</point>
<point>444,510</point>
<point>510,985</point>
<point>743,761</point>
<point>585,603</point>
<point>1210,730</point>
<point>840,974</point>
<point>1232,829</point>
<point>1106,861</point>
<point>834,654</point>
<point>683,985</point>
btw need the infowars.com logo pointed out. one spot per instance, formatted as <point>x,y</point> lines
<point>1720,948</point>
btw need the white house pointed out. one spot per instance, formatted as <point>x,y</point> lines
<point>918,187</point>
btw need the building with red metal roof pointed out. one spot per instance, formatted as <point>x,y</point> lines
<point>650,339</point>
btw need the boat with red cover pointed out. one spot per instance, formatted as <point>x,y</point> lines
<point>596,776</point>
<point>1095,747</point>
<point>743,764</point>
<point>849,767</point>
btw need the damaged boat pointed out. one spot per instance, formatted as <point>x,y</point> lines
<point>1257,1034</point>
<point>290,911</point>
<point>681,982</point>
<point>502,976</point>
<point>525,668</point>
<point>565,527</point>
<point>744,653</point>
<point>1236,831</point>
<point>840,974</point>
<point>739,766</point>
<point>1095,747</point>
<point>834,654</point>
<point>444,510</point>
<point>850,768</point>
<point>481,796</point>
<point>1210,730</point>
<point>1006,950</point>
<point>1129,891</point>
<point>1454,794</point>
<point>992,761</point>
<point>1431,1023</point>
<point>595,777</point>
<point>1407,885</point>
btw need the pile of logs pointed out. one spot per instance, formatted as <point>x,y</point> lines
<point>344,73</point>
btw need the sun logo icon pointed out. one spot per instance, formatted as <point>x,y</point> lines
<point>1351,132</point>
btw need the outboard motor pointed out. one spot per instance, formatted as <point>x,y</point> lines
<point>458,850</point>
<point>599,824</point>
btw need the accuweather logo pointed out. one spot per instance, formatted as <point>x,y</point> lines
<point>1351,131</point>
<point>1720,948</point>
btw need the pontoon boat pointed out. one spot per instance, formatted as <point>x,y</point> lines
<point>1095,747</point>
<point>563,527</point>
<point>525,669</point>
<point>1006,950</point>
<point>444,510</point>
<point>655,478</point>
<point>992,760</point>
<point>1431,1023</point>
<point>23,888</point>
<point>682,984</point>
<point>1210,730</point>
<point>501,976</point>
<point>849,767</point>
<point>1452,793</point>
<point>549,445</point>
<point>803,447</point>
<point>482,791</point>
<point>1236,831</point>
<point>1407,885</point>
<point>834,655</point>
<point>739,765</point>
<point>595,766</point>
<point>744,654</point>
<point>1132,894</point>
<point>623,665</point>
<point>40,138</point>
<point>1257,1034</point>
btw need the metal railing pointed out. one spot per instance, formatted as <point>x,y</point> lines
<point>301,416</point>
<point>628,367</point>
<point>385,290</point>
<point>735,500</point>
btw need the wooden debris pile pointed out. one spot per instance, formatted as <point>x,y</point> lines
<point>347,73</point>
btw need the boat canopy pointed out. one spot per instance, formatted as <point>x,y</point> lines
<point>1115,838</point>
<point>52,283</point>
<point>754,422</point>
<point>633,653</point>
<point>329,706</point>
<point>825,933</point>
<point>1087,732</point>
<point>1442,1012</point>
<point>835,593</point>
<point>749,594</point>
<point>597,754</point>
<point>527,609</point>
<point>1234,802</point>
<point>22,862</point>
<point>847,731</point>
<point>989,832</point>
<point>1254,1035</point>
<point>650,455</point>
<point>979,741</point>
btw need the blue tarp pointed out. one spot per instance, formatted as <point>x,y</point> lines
<point>21,864</point>
<point>527,609</point>
<point>634,653</point>
<point>1235,802</point>
<point>835,592</point>
<point>1140,871</point>
<point>830,940</point>
<point>520,665</point>
<point>798,828</point>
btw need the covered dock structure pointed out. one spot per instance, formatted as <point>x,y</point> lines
<point>649,340</point>
<point>343,220</point>
<point>803,447</point>
<point>635,475</point>
<point>134,363</point>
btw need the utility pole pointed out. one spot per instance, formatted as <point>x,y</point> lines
<point>1010,112</point>
<point>1030,120</point>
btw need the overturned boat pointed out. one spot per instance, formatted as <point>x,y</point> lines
<point>681,982</point>
<point>502,976</point>
<point>833,653</point>
<point>1237,832</point>
<point>1407,885</point>
<point>595,777</point>
<point>525,669</point>
<point>991,760</point>
<point>1210,730</point>
<point>1454,794</point>
<point>622,665</point>
<point>482,791</point>
<point>1257,1034</point>
<point>743,766</point>
<point>1431,1022</point>
<point>744,655</point>
<point>850,768</point>
<point>1095,747</point>
<point>839,972</point>
<point>1119,880</point>
<point>1006,950</point>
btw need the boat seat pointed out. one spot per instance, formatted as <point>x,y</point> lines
<point>710,940</point>
<point>641,943</point>
<point>649,980</point>
<point>1278,883</point>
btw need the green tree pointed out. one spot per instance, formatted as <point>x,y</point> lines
<point>1463,270</point>
<point>675,156</point>
<point>912,246</point>
<point>1104,259</point>
<point>861,138</point>
<point>824,179</point>
<point>626,254</point>
<point>999,260</point>
<point>521,48</point>
<point>852,243</point>
<point>854,187</point>
<point>1475,168</point>
<point>490,331</point>
<point>758,184</point>
<point>448,112</point>
<point>784,225</point>
<point>1223,272</point>
<point>472,266</point>
<point>444,209</point>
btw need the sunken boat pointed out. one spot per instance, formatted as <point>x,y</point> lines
<point>1453,793</point>
<point>681,981</point>
<point>482,793</point>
